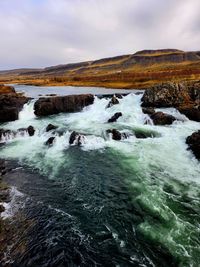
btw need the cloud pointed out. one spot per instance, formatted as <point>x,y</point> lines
<point>38,33</point>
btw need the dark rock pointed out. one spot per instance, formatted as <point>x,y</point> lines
<point>51,127</point>
<point>193,142</point>
<point>10,106</point>
<point>148,111</point>
<point>113,101</point>
<point>54,105</point>
<point>31,130</point>
<point>50,141</point>
<point>5,132</point>
<point>192,113</point>
<point>160,118</point>
<point>116,135</point>
<point>115,117</point>
<point>2,209</point>
<point>166,95</point>
<point>76,138</point>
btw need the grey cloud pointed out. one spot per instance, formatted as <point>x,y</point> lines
<point>41,33</point>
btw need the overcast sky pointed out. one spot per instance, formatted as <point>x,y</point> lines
<point>39,33</point>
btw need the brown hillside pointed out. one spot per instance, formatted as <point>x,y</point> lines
<point>139,70</point>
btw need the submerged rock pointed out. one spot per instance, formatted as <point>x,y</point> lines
<point>51,127</point>
<point>54,105</point>
<point>113,101</point>
<point>5,132</point>
<point>115,117</point>
<point>160,118</point>
<point>193,142</point>
<point>31,130</point>
<point>50,141</point>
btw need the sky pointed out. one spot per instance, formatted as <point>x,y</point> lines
<point>40,33</point>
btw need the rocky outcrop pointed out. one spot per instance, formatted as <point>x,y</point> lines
<point>116,135</point>
<point>166,95</point>
<point>113,101</point>
<point>193,142</point>
<point>55,105</point>
<point>148,111</point>
<point>160,118</point>
<point>51,127</point>
<point>115,117</point>
<point>31,130</point>
<point>10,106</point>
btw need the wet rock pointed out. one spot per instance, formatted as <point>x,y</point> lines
<point>76,138</point>
<point>192,113</point>
<point>116,135</point>
<point>51,127</point>
<point>148,111</point>
<point>50,141</point>
<point>160,118</point>
<point>10,106</point>
<point>4,133</point>
<point>166,95</point>
<point>113,101</point>
<point>193,142</point>
<point>31,130</point>
<point>2,209</point>
<point>54,105</point>
<point>115,117</point>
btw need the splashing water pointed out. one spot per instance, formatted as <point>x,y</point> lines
<point>161,203</point>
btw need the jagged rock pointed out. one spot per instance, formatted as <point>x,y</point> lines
<point>160,118</point>
<point>54,105</point>
<point>192,113</point>
<point>51,127</point>
<point>115,117</point>
<point>193,142</point>
<point>113,101</point>
<point>10,106</point>
<point>50,141</point>
<point>166,95</point>
<point>76,138</point>
<point>31,130</point>
<point>148,111</point>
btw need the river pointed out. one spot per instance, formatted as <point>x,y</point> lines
<point>134,202</point>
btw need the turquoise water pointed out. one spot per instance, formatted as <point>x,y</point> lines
<point>134,202</point>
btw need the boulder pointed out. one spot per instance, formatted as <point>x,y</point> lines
<point>51,127</point>
<point>193,142</point>
<point>191,112</point>
<point>50,141</point>
<point>160,118</point>
<point>54,105</point>
<point>10,106</point>
<point>148,111</point>
<point>31,130</point>
<point>113,101</point>
<point>115,117</point>
<point>116,135</point>
<point>166,95</point>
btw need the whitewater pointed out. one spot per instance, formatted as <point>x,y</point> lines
<point>134,202</point>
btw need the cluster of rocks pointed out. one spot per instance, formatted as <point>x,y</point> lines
<point>183,96</point>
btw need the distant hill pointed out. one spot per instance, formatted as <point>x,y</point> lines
<point>139,70</point>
